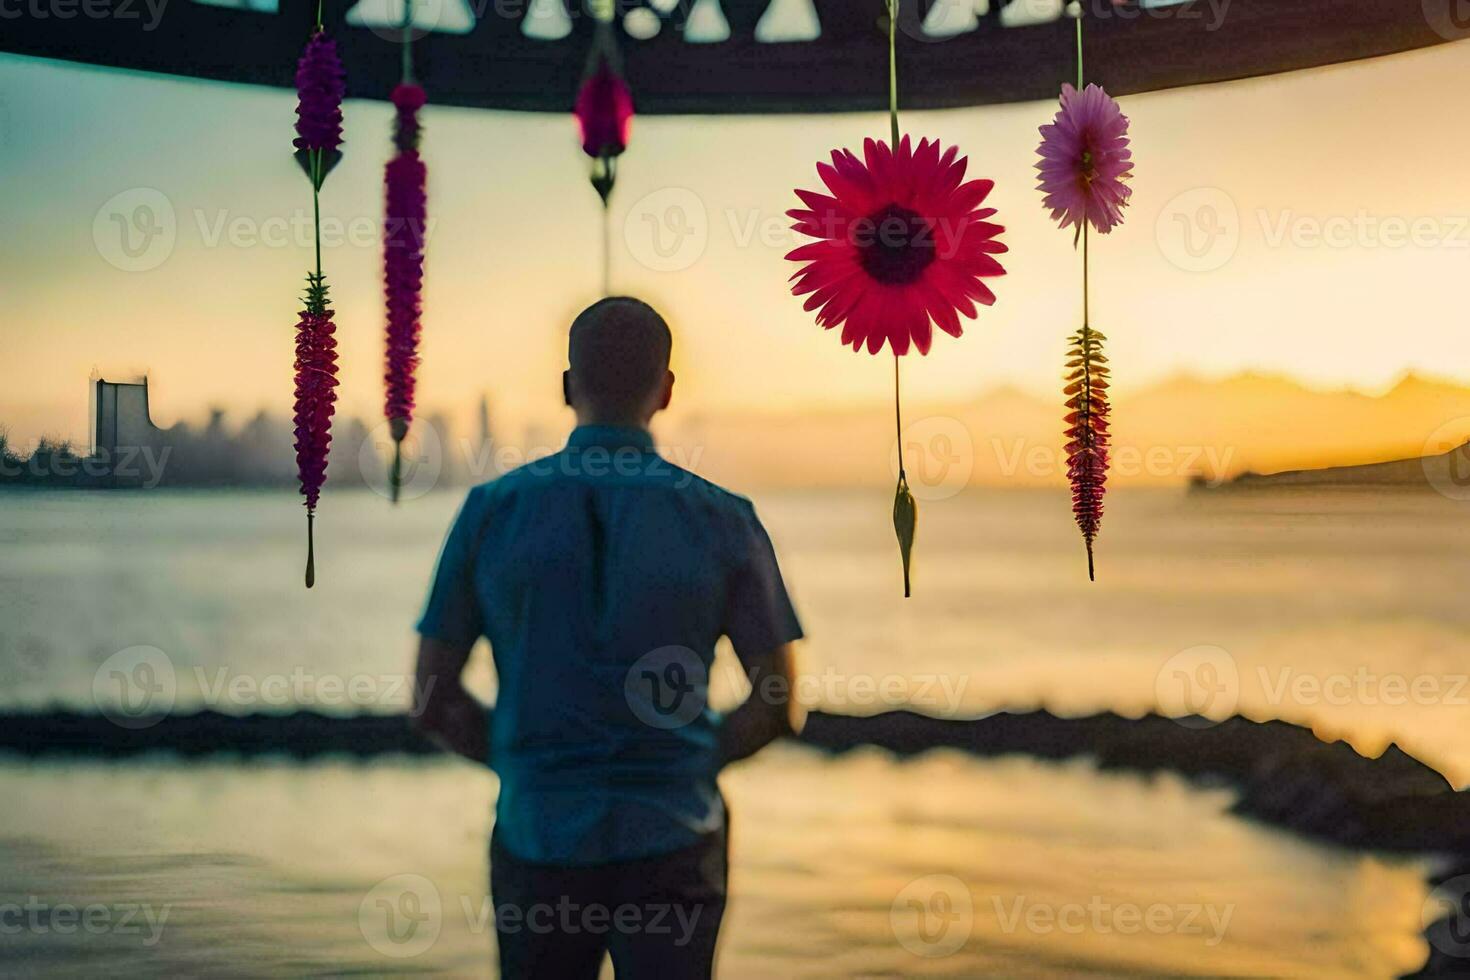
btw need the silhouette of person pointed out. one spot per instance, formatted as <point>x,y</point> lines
<point>603,576</point>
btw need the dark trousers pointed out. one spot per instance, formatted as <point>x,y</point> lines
<point>658,917</point>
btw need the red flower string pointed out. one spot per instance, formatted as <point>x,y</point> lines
<point>404,181</point>
<point>1087,432</point>
<point>604,115</point>
<point>1084,162</point>
<point>316,398</point>
<point>320,87</point>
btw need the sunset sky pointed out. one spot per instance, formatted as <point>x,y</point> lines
<point>1369,149</point>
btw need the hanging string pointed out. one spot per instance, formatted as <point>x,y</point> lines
<point>406,66</point>
<point>905,508</point>
<point>603,45</point>
<point>606,249</point>
<point>1086,402</point>
<point>315,160</point>
<point>893,70</point>
<point>893,129</point>
<point>1080,83</point>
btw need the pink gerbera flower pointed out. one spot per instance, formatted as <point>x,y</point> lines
<point>1085,160</point>
<point>902,244</point>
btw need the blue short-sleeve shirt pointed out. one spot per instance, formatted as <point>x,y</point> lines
<point>603,576</point>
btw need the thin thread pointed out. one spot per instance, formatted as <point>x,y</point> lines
<point>1086,403</point>
<point>893,127</point>
<point>316,206</point>
<point>606,249</point>
<point>893,71</point>
<point>1080,11</point>
<point>407,41</point>
<point>898,419</point>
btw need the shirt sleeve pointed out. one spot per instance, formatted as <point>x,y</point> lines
<point>759,616</point>
<point>452,612</point>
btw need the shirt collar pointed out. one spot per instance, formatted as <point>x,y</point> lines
<point>610,437</point>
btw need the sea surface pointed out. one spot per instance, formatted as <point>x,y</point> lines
<point>1341,610</point>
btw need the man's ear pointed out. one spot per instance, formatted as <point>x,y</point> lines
<point>566,387</point>
<point>668,392</point>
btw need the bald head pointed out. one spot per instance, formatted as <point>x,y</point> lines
<point>619,356</point>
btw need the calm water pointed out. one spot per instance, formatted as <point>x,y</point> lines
<point>1346,612</point>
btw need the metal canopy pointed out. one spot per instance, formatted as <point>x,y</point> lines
<point>496,65</point>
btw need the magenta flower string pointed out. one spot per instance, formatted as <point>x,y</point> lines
<point>604,114</point>
<point>316,399</point>
<point>320,86</point>
<point>405,211</point>
<point>1084,161</point>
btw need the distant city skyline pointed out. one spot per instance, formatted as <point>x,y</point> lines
<point>1179,430</point>
<point>1266,234</point>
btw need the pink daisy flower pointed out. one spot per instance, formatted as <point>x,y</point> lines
<point>1085,160</point>
<point>902,245</point>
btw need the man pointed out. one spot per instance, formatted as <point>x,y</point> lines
<point>603,576</point>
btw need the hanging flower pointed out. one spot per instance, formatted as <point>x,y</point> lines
<point>1085,160</point>
<point>316,391</point>
<point>902,245</point>
<point>320,85</point>
<point>403,264</point>
<point>316,398</point>
<point>604,112</point>
<point>319,88</point>
<point>407,99</point>
<point>1087,432</point>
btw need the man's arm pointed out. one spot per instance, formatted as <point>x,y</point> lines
<point>443,711</point>
<point>770,711</point>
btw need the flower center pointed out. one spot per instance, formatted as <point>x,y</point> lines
<point>1089,170</point>
<point>895,245</point>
